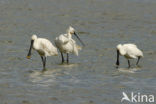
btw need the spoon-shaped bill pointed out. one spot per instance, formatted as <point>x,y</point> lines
<point>117,61</point>
<point>79,39</point>
<point>29,53</point>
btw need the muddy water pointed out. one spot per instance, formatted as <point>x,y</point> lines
<point>91,78</point>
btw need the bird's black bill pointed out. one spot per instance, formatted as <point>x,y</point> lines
<point>29,53</point>
<point>79,39</point>
<point>117,61</point>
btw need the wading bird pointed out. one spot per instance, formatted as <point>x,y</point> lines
<point>67,45</point>
<point>129,51</point>
<point>44,48</point>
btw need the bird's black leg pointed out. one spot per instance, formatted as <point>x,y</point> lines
<point>62,57</point>
<point>42,61</point>
<point>138,60</point>
<point>129,64</point>
<point>67,58</point>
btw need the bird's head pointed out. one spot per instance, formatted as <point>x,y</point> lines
<point>119,46</point>
<point>34,37</point>
<point>72,31</point>
<point>121,49</point>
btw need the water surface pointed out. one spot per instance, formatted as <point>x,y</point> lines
<point>91,78</point>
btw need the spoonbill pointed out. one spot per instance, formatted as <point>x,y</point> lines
<point>44,48</point>
<point>67,45</point>
<point>129,51</point>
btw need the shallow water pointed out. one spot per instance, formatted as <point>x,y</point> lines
<point>92,77</point>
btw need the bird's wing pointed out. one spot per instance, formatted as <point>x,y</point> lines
<point>63,39</point>
<point>133,51</point>
<point>48,47</point>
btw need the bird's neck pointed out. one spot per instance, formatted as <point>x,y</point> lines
<point>35,45</point>
<point>69,36</point>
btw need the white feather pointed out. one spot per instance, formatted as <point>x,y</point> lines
<point>44,47</point>
<point>66,44</point>
<point>130,51</point>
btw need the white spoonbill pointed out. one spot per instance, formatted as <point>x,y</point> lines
<point>66,44</point>
<point>44,48</point>
<point>129,51</point>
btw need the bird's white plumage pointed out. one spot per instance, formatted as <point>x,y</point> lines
<point>66,44</point>
<point>44,47</point>
<point>130,51</point>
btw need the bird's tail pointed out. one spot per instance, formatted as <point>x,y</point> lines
<point>54,52</point>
